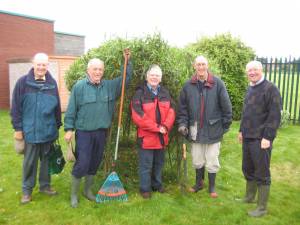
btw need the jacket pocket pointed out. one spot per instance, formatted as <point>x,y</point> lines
<point>106,98</point>
<point>87,99</point>
<point>215,128</point>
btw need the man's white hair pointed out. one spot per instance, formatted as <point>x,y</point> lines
<point>40,57</point>
<point>254,64</point>
<point>95,61</point>
<point>201,58</point>
<point>154,69</point>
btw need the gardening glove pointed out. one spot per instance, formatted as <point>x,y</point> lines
<point>68,136</point>
<point>18,135</point>
<point>183,131</point>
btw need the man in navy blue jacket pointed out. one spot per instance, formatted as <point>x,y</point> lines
<point>36,118</point>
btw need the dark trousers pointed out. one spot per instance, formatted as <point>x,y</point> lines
<point>151,163</point>
<point>32,154</point>
<point>256,162</point>
<point>88,152</point>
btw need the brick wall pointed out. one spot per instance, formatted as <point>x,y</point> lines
<point>68,44</point>
<point>21,37</point>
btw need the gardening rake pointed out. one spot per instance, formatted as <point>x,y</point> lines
<point>113,189</point>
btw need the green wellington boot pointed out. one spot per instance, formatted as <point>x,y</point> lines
<point>263,195</point>
<point>74,191</point>
<point>251,189</point>
<point>88,188</point>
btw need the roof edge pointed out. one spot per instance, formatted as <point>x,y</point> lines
<point>64,33</point>
<point>26,16</point>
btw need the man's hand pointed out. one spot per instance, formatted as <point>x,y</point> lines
<point>240,137</point>
<point>127,53</point>
<point>183,130</point>
<point>163,129</point>
<point>68,136</point>
<point>265,144</point>
<point>18,135</point>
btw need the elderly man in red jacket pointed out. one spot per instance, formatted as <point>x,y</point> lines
<point>154,115</point>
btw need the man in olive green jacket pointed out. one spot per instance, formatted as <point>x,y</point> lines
<point>89,113</point>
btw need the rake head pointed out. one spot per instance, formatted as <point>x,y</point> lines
<point>112,190</point>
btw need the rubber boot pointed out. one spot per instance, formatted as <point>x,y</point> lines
<point>199,182</point>
<point>87,188</point>
<point>251,189</point>
<point>203,175</point>
<point>263,196</point>
<point>74,191</point>
<point>211,188</point>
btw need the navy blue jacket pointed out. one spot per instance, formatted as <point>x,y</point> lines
<point>36,108</point>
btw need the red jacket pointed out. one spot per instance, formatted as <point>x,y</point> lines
<point>149,113</point>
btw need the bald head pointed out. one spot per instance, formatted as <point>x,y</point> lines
<point>95,62</point>
<point>95,70</point>
<point>254,71</point>
<point>254,65</point>
<point>201,59</point>
<point>40,65</point>
<point>40,57</point>
<point>201,67</point>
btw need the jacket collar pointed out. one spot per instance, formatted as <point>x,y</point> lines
<point>49,82</point>
<point>209,83</point>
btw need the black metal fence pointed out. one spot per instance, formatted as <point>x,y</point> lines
<point>285,74</point>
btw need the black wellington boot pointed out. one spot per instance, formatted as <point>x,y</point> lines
<point>199,182</point>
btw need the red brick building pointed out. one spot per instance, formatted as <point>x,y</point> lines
<point>23,36</point>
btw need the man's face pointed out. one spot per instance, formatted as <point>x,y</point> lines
<point>96,72</point>
<point>201,67</point>
<point>153,79</point>
<point>254,74</point>
<point>40,67</point>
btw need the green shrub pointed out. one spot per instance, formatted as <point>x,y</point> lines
<point>230,56</point>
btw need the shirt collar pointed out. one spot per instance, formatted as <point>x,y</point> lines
<point>155,92</point>
<point>258,82</point>
<point>40,78</point>
<point>90,81</point>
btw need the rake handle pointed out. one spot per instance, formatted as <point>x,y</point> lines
<point>121,107</point>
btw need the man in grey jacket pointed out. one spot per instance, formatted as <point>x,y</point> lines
<point>204,115</point>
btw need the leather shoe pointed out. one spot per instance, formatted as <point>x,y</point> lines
<point>48,191</point>
<point>26,199</point>
<point>146,195</point>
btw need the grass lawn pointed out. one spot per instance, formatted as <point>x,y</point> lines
<point>173,207</point>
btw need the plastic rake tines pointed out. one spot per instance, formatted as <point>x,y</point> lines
<point>111,190</point>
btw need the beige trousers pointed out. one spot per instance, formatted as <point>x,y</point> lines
<point>206,155</point>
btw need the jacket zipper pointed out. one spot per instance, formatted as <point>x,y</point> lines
<point>201,110</point>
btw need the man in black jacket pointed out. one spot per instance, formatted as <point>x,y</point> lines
<point>260,121</point>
